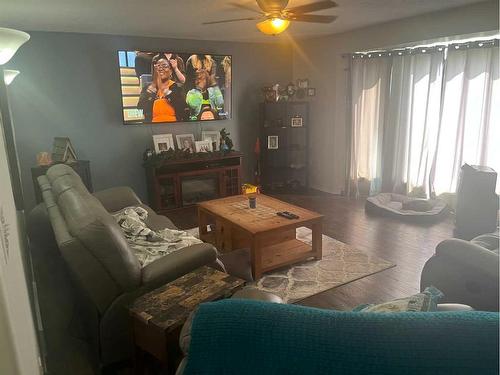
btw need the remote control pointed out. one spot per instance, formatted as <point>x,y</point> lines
<point>287,215</point>
<point>292,215</point>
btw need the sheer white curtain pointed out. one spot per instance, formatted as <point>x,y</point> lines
<point>412,124</point>
<point>369,94</point>
<point>470,122</point>
<point>418,117</point>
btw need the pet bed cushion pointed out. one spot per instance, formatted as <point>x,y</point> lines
<point>393,204</point>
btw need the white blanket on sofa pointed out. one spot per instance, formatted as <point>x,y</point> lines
<point>149,245</point>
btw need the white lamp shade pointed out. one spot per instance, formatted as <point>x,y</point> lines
<point>9,75</point>
<point>10,41</point>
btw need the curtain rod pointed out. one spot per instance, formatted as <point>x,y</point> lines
<point>422,49</point>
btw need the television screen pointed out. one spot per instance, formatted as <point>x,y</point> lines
<point>161,87</point>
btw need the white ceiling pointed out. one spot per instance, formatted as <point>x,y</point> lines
<point>183,18</point>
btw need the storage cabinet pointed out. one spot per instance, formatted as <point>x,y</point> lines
<point>284,146</point>
<point>180,183</point>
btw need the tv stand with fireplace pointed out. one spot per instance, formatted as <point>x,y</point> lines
<point>180,183</point>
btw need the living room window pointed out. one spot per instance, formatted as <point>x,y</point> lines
<point>419,114</point>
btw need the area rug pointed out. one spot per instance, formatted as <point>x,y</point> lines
<point>341,264</point>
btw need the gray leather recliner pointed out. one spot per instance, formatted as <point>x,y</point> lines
<point>104,269</point>
<point>466,271</point>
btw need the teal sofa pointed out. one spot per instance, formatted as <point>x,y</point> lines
<point>253,337</point>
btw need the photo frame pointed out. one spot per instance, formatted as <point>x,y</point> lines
<point>311,91</point>
<point>213,136</point>
<point>269,94</point>
<point>203,146</point>
<point>303,83</point>
<point>185,142</point>
<point>272,142</point>
<point>297,122</point>
<point>163,142</point>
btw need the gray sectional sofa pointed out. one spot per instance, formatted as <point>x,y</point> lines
<point>77,226</point>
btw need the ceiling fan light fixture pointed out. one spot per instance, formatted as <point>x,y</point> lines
<point>273,26</point>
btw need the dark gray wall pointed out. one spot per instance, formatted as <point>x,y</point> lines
<point>69,86</point>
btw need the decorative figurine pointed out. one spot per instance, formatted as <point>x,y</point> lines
<point>43,159</point>
<point>276,89</point>
<point>291,90</point>
<point>226,143</point>
<point>147,154</point>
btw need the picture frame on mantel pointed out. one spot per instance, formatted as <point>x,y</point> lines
<point>163,142</point>
<point>203,146</point>
<point>213,136</point>
<point>185,142</point>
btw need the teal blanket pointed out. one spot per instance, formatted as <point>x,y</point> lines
<point>251,337</point>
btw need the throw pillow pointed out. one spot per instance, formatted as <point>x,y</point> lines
<point>419,205</point>
<point>425,301</point>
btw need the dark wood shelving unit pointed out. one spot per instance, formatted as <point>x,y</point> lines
<point>287,167</point>
<point>180,183</point>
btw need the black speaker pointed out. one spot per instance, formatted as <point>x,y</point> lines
<point>477,204</point>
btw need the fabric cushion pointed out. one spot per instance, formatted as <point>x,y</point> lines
<point>425,301</point>
<point>489,241</point>
<point>419,205</point>
<point>89,222</point>
<point>251,337</point>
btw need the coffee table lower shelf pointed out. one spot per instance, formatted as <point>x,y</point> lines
<point>285,253</point>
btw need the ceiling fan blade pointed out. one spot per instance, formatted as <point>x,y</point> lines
<point>232,20</point>
<point>313,7</point>
<point>246,7</point>
<point>311,18</point>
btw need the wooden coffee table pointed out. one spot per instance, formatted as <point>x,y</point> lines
<point>271,238</point>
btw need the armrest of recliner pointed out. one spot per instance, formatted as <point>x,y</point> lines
<point>116,198</point>
<point>474,256</point>
<point>177,264</point>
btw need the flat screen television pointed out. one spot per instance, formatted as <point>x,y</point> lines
<point>164,87</point>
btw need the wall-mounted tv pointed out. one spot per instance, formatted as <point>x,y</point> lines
<point>164,87</point>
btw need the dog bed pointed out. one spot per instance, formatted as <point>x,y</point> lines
<point>391,204</point>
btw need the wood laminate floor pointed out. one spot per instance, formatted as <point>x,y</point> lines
<point>406,244</point>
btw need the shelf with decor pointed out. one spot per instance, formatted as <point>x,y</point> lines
<point>284,136</point>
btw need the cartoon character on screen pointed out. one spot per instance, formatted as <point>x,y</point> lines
<point>205,101</point>
<point>162,99</point>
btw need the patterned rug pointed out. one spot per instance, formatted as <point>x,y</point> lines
<point>340,265</point>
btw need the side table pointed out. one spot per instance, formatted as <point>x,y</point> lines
<point>158,316</point>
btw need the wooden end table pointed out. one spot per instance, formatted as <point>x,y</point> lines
<point>271,238</point>
<point>158,316</point>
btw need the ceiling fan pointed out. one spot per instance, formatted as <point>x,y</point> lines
<point>275,16</point>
